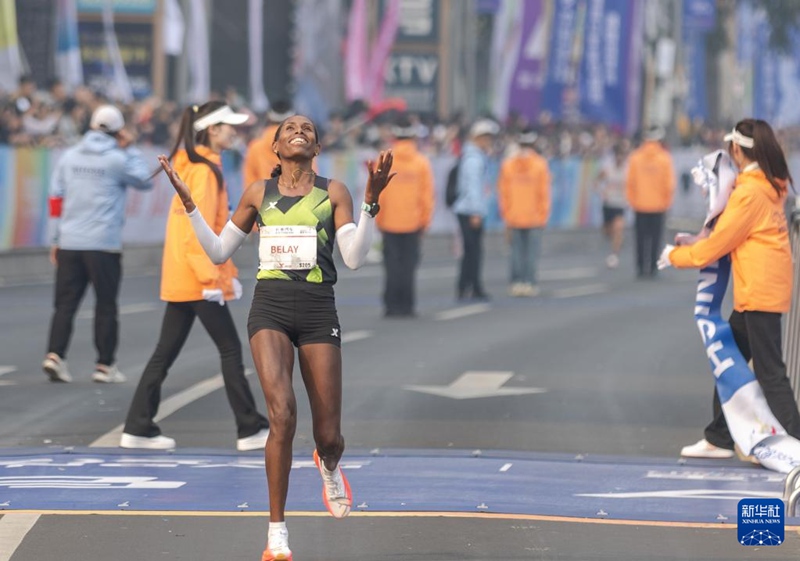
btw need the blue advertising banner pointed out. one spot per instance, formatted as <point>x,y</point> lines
<point>699,17</point>
<point>559,94</point>
<point>593,62</point>
<point>606,69</point>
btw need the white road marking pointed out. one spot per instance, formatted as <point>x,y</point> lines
<point>568,274</point>
<point>353,336</point>
<point>471,385</point>
<point>169,406</point>
<point>7,370</point>
<point>574,291</point>
<point>506,467</point>
<point>13,529</point>
<point>461,312</point>
<point>201,389</point>
<point>126,310</point>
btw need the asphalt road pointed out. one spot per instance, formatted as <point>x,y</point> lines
<point>600,364</point>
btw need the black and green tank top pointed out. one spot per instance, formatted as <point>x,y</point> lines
<point>313,210</point>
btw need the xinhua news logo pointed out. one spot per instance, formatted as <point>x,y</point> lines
<point>761,522</point>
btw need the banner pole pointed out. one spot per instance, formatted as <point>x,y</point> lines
<point>792,326</point>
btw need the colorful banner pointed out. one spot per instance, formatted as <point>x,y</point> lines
<point>355,63</point>
<point>610,63</point>
<point>699,17</point>
<point>25,177</point>
<point>560,90</point>
<point>518,56</point>
<point>68,52</point>
<point>10,62</point>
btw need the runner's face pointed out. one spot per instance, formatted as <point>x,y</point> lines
<point>297,139</point>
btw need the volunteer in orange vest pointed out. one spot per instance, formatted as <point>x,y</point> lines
<point>523,191</point>
<point>261,159</point>
<point>753,230</point>
<point>406,215</point>
<point>650,185</point>
<point>193,286</point>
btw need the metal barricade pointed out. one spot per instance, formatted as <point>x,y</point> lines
<point>791,346</point>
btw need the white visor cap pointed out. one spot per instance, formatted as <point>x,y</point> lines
<point>738,138</point>
<point>107,118</point>
<point>483,127</point>
<point>222,115</point>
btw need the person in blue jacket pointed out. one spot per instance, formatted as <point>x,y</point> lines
<point>87,212</point>
<point>472,206</point>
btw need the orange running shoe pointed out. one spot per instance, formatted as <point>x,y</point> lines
<point>336,493</point>
<point>284,555</point>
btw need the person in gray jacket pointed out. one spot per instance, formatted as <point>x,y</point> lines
<point>87,212</point>
<point>472,206</point>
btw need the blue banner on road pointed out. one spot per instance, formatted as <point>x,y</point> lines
<point>402,481</point>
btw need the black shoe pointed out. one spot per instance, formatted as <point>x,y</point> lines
<point>481,297</point>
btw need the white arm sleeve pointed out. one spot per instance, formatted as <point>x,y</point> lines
<point>355,241</point>
<point>218,248</point>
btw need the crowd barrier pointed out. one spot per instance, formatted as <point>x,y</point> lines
<point>25,173</point>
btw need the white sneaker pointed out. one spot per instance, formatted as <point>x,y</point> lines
<point>336,493</point>
<point>277,547</point>
<point>704,449</point>
<point>530,290</point>
<point>516,289</point>
<point>56,369</point>
<point>159,442</point>
<point>108,374</point>
<point>256,441</point>
<point>612,261</point>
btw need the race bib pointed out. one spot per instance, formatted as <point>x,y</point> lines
<point>287,247</point>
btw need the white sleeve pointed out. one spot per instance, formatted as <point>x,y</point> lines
<point>218,248</point>
<point>354,241</point>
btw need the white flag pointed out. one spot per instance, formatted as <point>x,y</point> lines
<point>199,58</point>
<point>255,39</point>
<point>11,66</point>
<point>173,28</point>
<point>119,88</point>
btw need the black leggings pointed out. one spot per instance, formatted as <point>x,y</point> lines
<point>758,336</point>
<point>178,320</point>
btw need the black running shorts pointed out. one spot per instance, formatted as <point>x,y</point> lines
<point>610,213</point>
<point>305,312</point>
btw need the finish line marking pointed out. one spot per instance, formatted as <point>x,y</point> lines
<point>365,514</point>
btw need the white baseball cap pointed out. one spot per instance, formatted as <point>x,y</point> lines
<point>656,132</point>
<point>107,118</point>
<point>484,126</point>
<point>219,116</point>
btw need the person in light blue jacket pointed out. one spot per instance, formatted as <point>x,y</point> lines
<point>472,206</point>
<point>87,212</point>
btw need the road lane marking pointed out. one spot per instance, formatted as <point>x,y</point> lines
<point>506,467</point>
<point>354,336</point>
<point>472,385</point>
<point>574,291</point>
<point>169,406</point>
<point>14,526</point>
<point>568,274</point>
<point>199,390</point>
<point>461,312</point>
<point>7,370</point>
